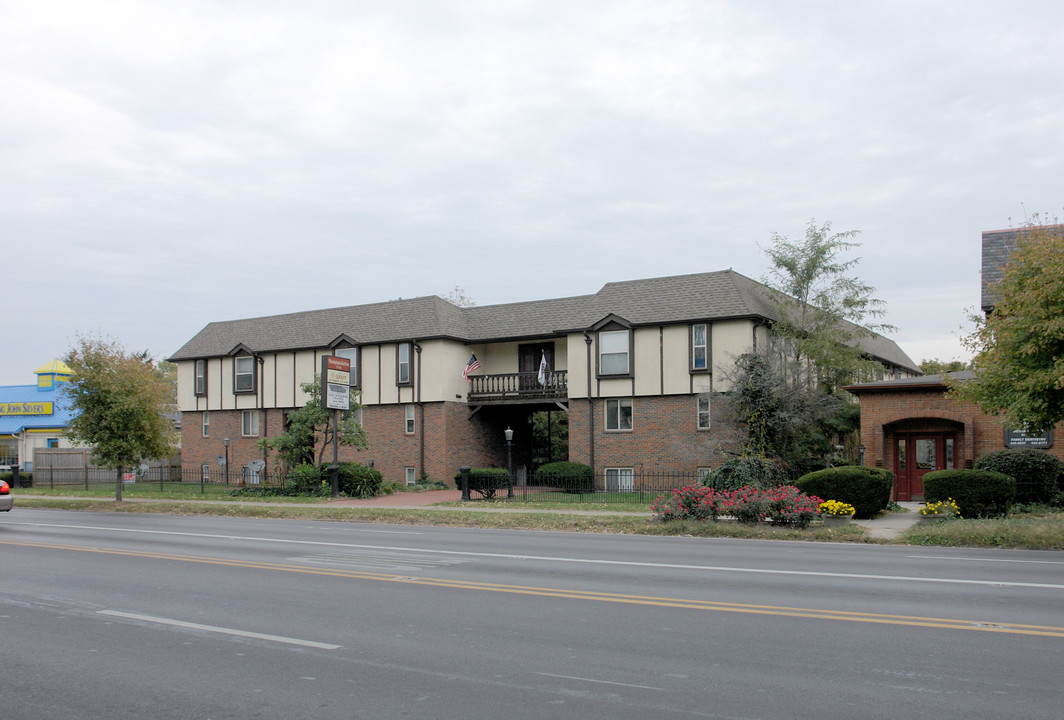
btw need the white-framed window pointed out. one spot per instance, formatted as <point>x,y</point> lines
<point>402,370</point>
<point>410,424</point>
<point>702,473</point>
<point>703,411</point>
<point>352,354</point>
<point>411,476</point>
<point>699,346</point>
<point>619,414</point>
<point>206,423</point>
<point>619,480</point>
<point>243,374</point>
<point>614,347</point>
<point>249,423</point>
<point>201,378</point>
<point>356,414</point>
<point>205,470</point>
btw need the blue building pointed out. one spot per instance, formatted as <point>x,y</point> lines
<point>34,416</point>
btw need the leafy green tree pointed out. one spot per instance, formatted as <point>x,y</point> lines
<point>799,424</point>
<point>310,430</point>
<point>1019,346</point>
<point>934,366</point>
<point>124,404</point>
<point>824,310</point>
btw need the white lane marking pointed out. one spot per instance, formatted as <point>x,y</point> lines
<point>593,680</point>
<point>214,628</point>
<point>997,560</point>
<point>585,561</point>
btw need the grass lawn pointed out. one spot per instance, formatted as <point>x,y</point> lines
<point>1040,530</point>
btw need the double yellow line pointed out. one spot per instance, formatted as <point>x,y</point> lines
<point>646,600</point>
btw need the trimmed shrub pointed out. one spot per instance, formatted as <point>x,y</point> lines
<point>1035,471</point>
<point>571,477</point>
<point>743,472</point>
<point>358,480</point>
<point>485,481</point>
<point>866,488</point>
<point>978,493</point>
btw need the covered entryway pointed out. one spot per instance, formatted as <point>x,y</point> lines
<point>915,455</point>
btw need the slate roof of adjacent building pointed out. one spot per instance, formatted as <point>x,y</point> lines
<point>721,295</point>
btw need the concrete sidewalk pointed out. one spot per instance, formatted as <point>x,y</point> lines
<point>890,525</point>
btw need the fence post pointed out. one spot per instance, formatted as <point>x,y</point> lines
<point>465,482</point>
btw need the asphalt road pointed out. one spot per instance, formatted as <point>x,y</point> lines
<point>150,616</point>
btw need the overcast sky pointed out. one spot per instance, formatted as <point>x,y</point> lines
<point>170,163</point>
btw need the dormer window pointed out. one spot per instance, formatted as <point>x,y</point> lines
<point>244,374</point>
<point>614,352</point>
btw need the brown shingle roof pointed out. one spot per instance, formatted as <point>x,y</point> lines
<point>683,298</point>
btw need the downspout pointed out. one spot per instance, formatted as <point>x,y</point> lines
<point>590,408</point>
<point>421,415</point>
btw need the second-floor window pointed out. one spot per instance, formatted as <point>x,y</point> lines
<point>201,377</point>
<point>352,355</point>
<point>244,374</point>
<point>699,347</point>
<point>614,347</point>
<point>402,371</point>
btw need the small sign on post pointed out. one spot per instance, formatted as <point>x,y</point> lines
<point>336,383</point>
<point>335,396</point>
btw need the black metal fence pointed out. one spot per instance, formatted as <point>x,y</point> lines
<point>162,477</point>
<point>614,486</point>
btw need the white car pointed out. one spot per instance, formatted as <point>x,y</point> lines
<point>6,498</point>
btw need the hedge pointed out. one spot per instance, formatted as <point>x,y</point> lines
<point>485,481</point>
<point>571,477</point>
<point>978,493</point>
<point>866,488</point>
<point>1036,473</point>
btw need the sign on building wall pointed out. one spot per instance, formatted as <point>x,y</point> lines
<point>1021,439</point>
<point>26,408</point>
<point>336,383</point>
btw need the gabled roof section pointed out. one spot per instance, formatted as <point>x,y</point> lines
<point>702,297</point>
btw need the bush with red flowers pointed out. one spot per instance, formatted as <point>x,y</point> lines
<point>785,505</point>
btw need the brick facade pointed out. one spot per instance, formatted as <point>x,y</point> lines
<point>893,410</point>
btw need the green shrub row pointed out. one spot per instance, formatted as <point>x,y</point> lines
<point>485,481</point>
<point>866,488</point>
<point>1037,473</point>
<point>571,477</point>
<point>978,493</point>
<point>742,472</point>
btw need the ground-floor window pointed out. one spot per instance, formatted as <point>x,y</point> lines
<point>703,412</point>
<point>249,423</point>
<point>619,414</point>
<point>411,476</point>
<point>206,423</point>
<point>619,480</point>
<point>205,472</point>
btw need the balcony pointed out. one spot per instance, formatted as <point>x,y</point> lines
<point>511,388</point>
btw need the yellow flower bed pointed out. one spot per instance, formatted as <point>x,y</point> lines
<point>834,507</point>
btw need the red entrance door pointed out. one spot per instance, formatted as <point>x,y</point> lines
<point>915,455</point>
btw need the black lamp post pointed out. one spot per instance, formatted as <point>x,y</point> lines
<point>509,462</point>
<point>226,443</point>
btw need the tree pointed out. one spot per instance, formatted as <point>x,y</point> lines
<point>123,404</point>
<point>934,366</point>
<point>794,422</point>
<point>1019,346</point>
<point>311,424</point>
<point>458,297</point>
<point>823,309</point>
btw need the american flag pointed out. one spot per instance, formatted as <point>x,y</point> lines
<point>472,366</point>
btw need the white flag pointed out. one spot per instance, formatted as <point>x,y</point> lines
<point>542,379</point>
